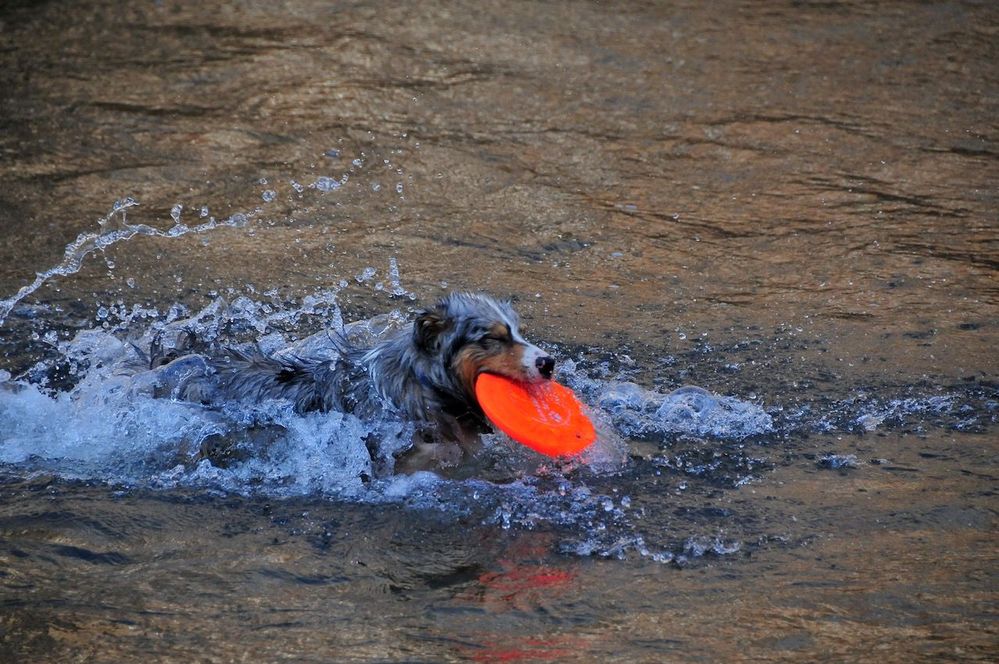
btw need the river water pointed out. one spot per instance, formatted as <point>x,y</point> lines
<point>791,205</point>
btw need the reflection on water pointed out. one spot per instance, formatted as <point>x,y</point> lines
<point>760,239</point>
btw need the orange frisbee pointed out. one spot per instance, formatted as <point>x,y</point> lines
<point>547,417</point>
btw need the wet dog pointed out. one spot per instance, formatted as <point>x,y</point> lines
<point>424,374</point>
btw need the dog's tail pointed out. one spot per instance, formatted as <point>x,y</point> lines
<point>254,375</point>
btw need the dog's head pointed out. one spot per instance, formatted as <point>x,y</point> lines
<point>472,334</point>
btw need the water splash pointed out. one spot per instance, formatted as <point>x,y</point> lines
<point>396,282</point>
<point>114,228</point>
<point>687,411</point>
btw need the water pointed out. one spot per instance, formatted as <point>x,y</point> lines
<point>761,242</point>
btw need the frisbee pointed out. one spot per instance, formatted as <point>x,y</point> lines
<point>547,417</point>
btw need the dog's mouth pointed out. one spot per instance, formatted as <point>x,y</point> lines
<point>518,378</point>
<point>515,360</point>
<point>541,371</point>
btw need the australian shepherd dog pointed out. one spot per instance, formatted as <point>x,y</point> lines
<point>424,374</point>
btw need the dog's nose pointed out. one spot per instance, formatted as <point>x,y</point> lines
<point>545,365</point>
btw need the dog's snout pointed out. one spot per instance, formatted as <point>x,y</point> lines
<point>545,365</point>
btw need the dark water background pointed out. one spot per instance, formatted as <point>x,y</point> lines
<point>790,203</point>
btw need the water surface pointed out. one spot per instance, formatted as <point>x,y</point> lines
<point>789,205</point>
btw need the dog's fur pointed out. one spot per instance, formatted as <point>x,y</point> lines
<point>426,374</point>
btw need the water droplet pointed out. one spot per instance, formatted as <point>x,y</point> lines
<point>122,205</point>
<point>326,184</point>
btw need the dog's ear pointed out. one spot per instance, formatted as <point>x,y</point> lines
<point>427,329</point>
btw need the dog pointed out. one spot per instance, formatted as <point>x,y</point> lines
<point>424,374</point>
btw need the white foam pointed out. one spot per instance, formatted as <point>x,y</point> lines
<point>636,412</point>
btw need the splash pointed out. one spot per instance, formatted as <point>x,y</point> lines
<point>114,228</point>
<point>688,411</point>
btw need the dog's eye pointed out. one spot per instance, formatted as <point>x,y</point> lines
<point>489,339</point>
<point>497,335</point>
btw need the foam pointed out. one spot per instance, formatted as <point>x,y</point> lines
<point>636,412</point>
